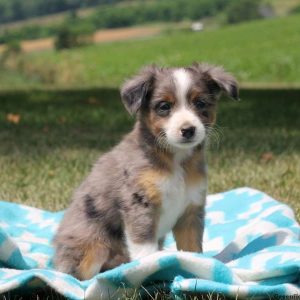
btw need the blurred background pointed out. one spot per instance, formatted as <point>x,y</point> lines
<point>62,61</point>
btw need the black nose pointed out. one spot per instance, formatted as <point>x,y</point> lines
<point>188,132</point>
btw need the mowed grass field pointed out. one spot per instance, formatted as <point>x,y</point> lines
<point>50,147</point>
<point>264,51</point>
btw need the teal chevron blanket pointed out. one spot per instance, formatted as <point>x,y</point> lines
<point>251,249</point>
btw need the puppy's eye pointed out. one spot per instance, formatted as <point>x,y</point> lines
<point>200,103</point>
<point>163,108</point>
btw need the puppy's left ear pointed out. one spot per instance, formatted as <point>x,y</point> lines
<point>218,80</point>
<point>136,91</point>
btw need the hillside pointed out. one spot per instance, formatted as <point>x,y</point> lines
<point>131,13</point>
<point>256,52</point>
<point>281,8</point>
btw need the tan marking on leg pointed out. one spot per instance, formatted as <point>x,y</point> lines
<point>186,239</point>
<point>94,258</point>
<point>149,180</point>
<point>188,230</point>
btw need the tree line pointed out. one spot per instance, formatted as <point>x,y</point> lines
<point>134,13</point>
<point>112,16</point>
<point>16,10</point>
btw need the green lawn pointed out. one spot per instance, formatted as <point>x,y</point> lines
<point>261,51</point>
<point>61,133</point>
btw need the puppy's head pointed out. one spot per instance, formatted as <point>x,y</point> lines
<point>177,105</point>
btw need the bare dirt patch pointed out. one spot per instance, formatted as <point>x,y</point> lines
<point>124,33</point>
<point>100,36</point>
<point>38,45</point>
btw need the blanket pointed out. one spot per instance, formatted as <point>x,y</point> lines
<point>251,249</point>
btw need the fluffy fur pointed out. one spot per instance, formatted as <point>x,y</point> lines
<point>154,181</point>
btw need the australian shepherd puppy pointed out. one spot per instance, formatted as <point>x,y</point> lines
<point>153,181</point>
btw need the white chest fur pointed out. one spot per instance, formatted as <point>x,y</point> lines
<point>176,197</point>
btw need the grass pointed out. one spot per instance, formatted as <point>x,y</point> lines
<point>259,51</point>
<point>142,294</point>
<point>11,80</point>
<point>283,7</point>
<point>55,143</point>
<point>60,134</point>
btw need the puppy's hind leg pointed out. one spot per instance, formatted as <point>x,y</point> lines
<point>66,258</point>
<point>94,257</point>
<point>83,262</point>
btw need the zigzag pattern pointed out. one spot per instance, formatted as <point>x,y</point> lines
<point>251,248</point>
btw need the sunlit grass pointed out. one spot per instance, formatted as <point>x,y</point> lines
<point>259,51</point>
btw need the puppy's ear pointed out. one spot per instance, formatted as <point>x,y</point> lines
<point>136,91</point>
<point>218,80</point>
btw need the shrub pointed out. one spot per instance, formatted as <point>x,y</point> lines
<point>13,47</point>
<point>295,10</point>
<point>74,32</point>
<point>9,57</point>
<point>243,10</point>
<point>65,38</point>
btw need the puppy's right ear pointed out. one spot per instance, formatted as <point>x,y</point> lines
<point>136,91</point>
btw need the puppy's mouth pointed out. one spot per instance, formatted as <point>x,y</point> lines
<point>187,141</point>
<point>184,143</point>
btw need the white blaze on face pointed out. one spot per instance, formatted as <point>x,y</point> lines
<point>183,116</point>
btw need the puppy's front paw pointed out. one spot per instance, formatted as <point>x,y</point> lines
<point>137,251</point>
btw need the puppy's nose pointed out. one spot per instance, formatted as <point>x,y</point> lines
<point>188,132</point>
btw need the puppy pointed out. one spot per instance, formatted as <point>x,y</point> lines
<point>154,181</point>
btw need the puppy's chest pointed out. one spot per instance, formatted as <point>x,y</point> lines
<point>176,196</point>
